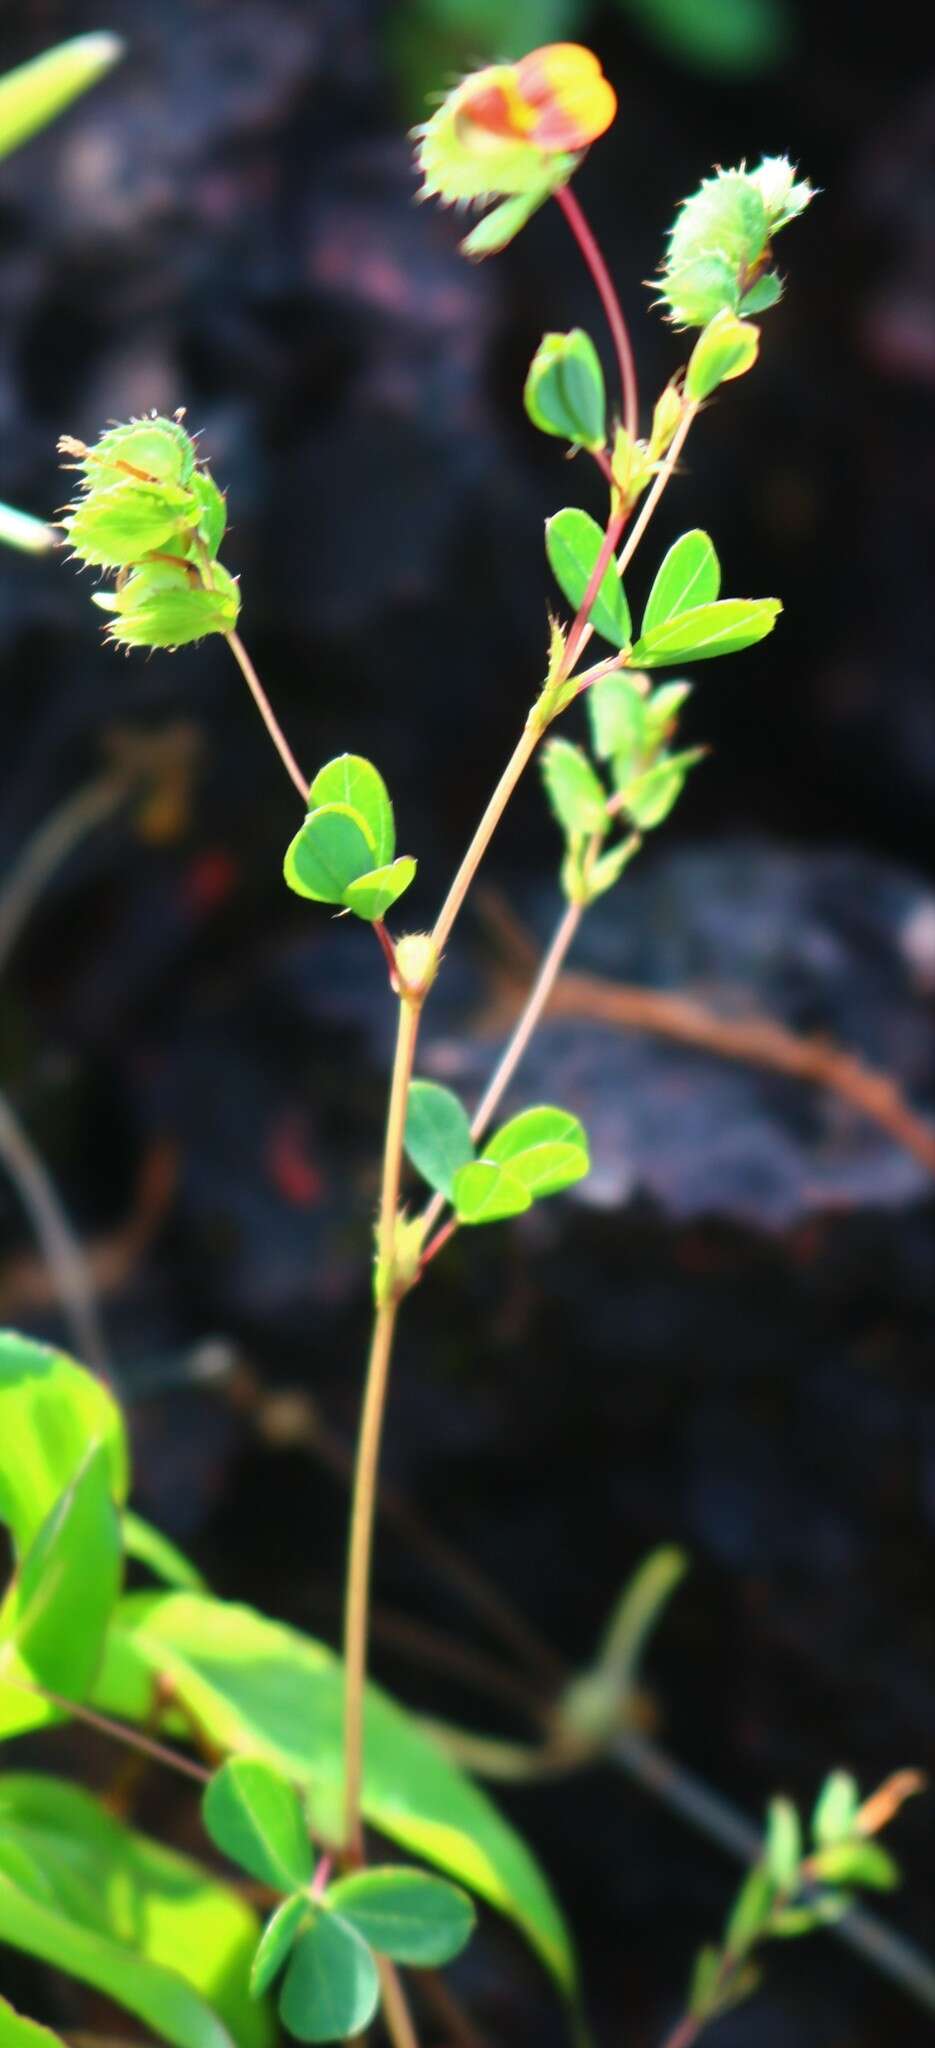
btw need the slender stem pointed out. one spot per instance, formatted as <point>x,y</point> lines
<point>395,2005</point>
<point>49,847</point>
<point>363,1501</point>
<point>581,631</point>
<point>610,302</point>
<point>684,2034</point>
<point>60,1247</point>
<point>549,971</point>
<point>659,485</point>
<point>267,714</point>
<point>389,950</point>
<point>519,759</point>
<point>117,1730</point>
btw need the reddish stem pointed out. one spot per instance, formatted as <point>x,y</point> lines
<point>320,1880</point>
<point>580,629</point>
<point>438,1242</point>
<point>387,945</point>
<point>610,302</point>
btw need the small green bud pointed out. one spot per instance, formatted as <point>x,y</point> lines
<point>727,348</point>
<point>416,963</point>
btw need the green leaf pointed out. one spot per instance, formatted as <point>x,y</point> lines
<point>256,1687</point>
<point>503,222</point>
<point>564,391</point>
<point>545,1150</point>
<point>438,1134</point>
<point>751,1910</point>
<point>254,1815</point>
<point>119,524</point>
<point>331,1988</point>
<point>52,1413</point>
<point>766,292</point>
<point>617,711</point>
<point>148,1546</point>
<point>573,542</point>
<point>725,349</point>
<point>690,576</point>
<point>405,1915</point>
<point>357,785</point>
<point>36,93</point>
<point>17,2032</point>
<point>138,1922</point>
<point>735,38</point>
<point>661,712</point>
<point>276,1941</point>
<point>856,1862</point>
<point>575,792</point>
<point>373,894</point>
<point>608,869</point>
<point>836,1809</point>
<point>708,630</point>
<point>333,848</point>
<point>783,1851</point>
<point>486,1193</point>
<point>649,800</point>
<point>55,1614</point>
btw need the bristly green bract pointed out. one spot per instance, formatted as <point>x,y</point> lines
<point>719,251</point>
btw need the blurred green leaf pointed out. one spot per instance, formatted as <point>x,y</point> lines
<point>545,1149</point>
<point>708,630</point>
<point>438,1134</point>
<point>650,798</point>
<point>617,711</point>
<point>17,2032</point>
<point>752,1907</point>
<point>406,1915</point>
<point>38,91</point>
<point>331,1989</point>
<point>371,895</point>
<point>32,537</point>
<point>564,390</point>
<point>702,1994</point>
<point>276,1941</point>
<point>52,1413</point>
<point>734,38</point>
<point>254,1815</point>
<point>213,506</point>
<point>332,849</point>
<point>54,1616</point>
<point>690,576</point>
<point>119,524</point>
<point>575,792</point>
<point>138,1922</point>
<point>256,1687</point>
<point>727,348</point>
<point>606,871</point>
<point>573,542</point>
<point>856,1862</point>
<point>835,1809</point>
<point>356,785</point>
<point>783,1849</point>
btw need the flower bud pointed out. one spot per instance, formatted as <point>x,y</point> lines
<point>718,253</point>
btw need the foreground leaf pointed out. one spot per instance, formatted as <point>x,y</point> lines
<point>333,847</point>
<point>134,1920</point>
<point>690,575</point>
<point>17,2032</point>
<point>405,1915</point>
<point>37,92</point>
<point>55,1614</point>
<point>357,784</point>
<point>564,391</point>
<point>254,1815</point>
<point>331,1988</point>
<point>259,1688</point>
<point>711,629</point>
<point>52,1413</point>
<point>276,1941</point>
<point>487,1193</point>
<point>546,1149</point>
<point>438,1134</point>
<point>573,542</point>
<point>374,893</point>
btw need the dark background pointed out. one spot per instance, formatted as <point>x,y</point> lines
<point>725,1342</point>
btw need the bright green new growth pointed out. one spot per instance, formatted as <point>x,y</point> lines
<point>146,510</point>
<point>535,1154</point>
<point>719,251</point>
<point>564,391</point>
<point>343,854</point>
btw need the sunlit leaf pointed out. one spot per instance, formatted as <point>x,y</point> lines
<point>148,1546</point>
<point>333,847</point>
<point>371,895</point>
<point>690,576</point>
<point>573,542</point>
<point>405,1914</point>
<point>438,1134</point>
<point>52,1413</point>
<point>255,1816</point>
<point>358,785</point>
<point>486,1193</point>
<point>38,91</point>
<point>564,390</point>
<point>54,1616</point>
<point>575,792</point>
<point>17,2032</point>
<point>276,1941</point>
<point>708,630</point>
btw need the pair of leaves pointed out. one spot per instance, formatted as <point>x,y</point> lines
<point>535,1154</point>
<point>325,1943</point>
<point>140,1923</point>
<point>682,620</point>
<point>564,391</point>
<point>254,1687</point>
<point>344,852</point>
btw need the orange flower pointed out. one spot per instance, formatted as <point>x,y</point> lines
<point>557,98</point>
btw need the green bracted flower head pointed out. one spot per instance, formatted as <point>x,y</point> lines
<point>169,604</point>
<point>719,250</point>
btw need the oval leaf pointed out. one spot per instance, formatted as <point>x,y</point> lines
<point>486,1193</point>
<point>332,848</point>
<point>372,895</point>
<point>727,348</point>
<point>138,1922</point>
<point>545,1149</point>
<point>650,798</point>
<point>256,1687</point>
<point>405,1915</point>
<point>438,1135</point>
<point>331,1988</point>
<point>573,542</point>
<point>276,1940</point>
<point>690,576</point>
<point>52,1413</point>
<point>54,1617</point>
<point>575,792</point>
<point>254,1815</point>
<point>564,391</point>
<point>711,629</point>
<point>617,711</point>
<point>357,784</point>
